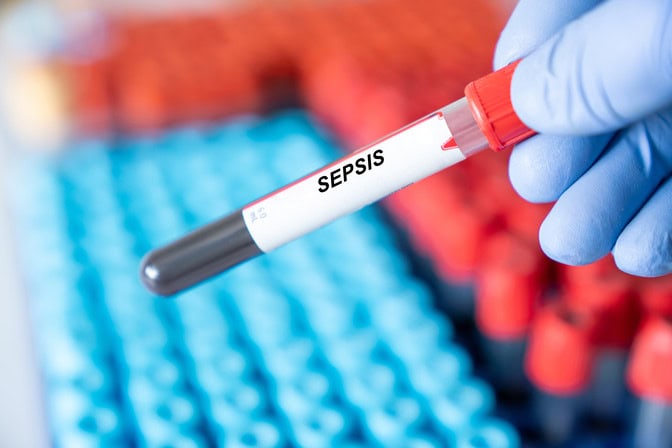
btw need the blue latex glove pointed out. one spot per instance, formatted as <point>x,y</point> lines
<point>596,82</point>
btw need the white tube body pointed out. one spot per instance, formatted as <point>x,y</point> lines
<point>351,183</point>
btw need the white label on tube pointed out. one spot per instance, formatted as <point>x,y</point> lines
<point>351,183</point>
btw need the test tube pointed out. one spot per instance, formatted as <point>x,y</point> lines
<point>648,375</point>
<point>558,362</point>
<point>484,118</point>
<point>508,289</point>
<point>610,299</point>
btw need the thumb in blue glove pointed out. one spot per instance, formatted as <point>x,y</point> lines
<point>596,82</point>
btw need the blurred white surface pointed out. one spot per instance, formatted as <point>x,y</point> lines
<point>22,421</point>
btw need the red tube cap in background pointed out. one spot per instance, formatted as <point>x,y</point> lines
<point>560,353</point>
<point>650,367</point>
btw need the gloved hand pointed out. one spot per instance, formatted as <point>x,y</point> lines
<point>596,82</point>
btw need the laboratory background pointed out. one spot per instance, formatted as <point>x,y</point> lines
<point>429,319</point>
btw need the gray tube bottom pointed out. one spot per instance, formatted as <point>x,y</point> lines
<point>198,256</point>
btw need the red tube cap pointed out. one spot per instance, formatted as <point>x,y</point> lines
<point>655,295</point>
<point>575,277</point>
<point>559,356</point>
<point>651,360</point>
<point>490,101</point>
<point>612,302</point>
<point>509,284</point>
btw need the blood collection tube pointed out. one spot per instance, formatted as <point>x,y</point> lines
<point>509,286</point>
<point>609,297</point>
<point>559,363</point>
<point>649,379</point>
<point>484,118</point>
